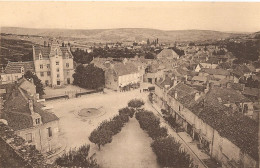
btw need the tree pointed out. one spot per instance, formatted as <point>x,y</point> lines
<point>77,158</point>
<point>100,137</point>
<point>135,103</point>
<point>37,82</point>
<point>81,56</point>
<point>149,55</point>
<point>127,111</point>
<point>89,77</point>
<point>169,154</point>
<point>148,42</point>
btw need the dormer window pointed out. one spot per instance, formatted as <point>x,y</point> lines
<point>37,121</point>
<point>40,56</point>
<point>67,55</point>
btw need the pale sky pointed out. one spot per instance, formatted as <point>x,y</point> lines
<point>219,16</point>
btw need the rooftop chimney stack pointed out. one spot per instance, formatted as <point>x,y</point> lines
<point>197,96</point>
<point>31,106</point>
<point>175,95</point>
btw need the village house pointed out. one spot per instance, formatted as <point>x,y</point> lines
<point>243,71</point>
<point>15,70</point>
<point>27,118</point>
<point>153,72</point>
<point>222,133</point>
<point>123,76</point>
<point>53,64</point>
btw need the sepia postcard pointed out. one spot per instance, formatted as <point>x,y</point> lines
<point>129,84</point>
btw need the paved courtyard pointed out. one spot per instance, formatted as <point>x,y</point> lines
<point>75,130</point>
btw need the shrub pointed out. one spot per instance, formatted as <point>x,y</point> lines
<point>113,126</point>
<point>121,118</point>
<point>169,154</point>
<point>171,121</point>
<point>159,132</point>
<point>150,123</point>
<point>103,134</point>
<point>101,137</point>
<point>127,111</point>
<point>135,103</point>
<point>77,158</point>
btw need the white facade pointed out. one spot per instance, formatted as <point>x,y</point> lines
<point>54,65</point>
<point>128,79</point>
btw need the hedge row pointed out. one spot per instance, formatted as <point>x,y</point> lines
<point>151,124</point>
<point>127,111</point>
<point>103,134</point>
<point>167,150</point>
<point>169,154</point>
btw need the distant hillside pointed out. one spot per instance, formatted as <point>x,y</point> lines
<point>123,34</point>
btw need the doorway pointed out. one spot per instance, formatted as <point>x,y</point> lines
<point>68,80</point>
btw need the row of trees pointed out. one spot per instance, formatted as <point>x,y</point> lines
<point>89,77</point>
<point>167,150</point>
<point>103,134</point>
<point>151,124</point>
<point>169,153</point>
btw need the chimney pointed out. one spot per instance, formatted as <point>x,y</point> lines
<point>175,82</point>
<point>175,95</point>
<point>207,88</point>
<point>197,96</point>
<point>31,106</point>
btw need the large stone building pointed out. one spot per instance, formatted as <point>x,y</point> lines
<point>53,64</point>
<point>123,76</point>
<point>28,119</point>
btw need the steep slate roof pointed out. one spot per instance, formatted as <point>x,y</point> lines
<point>240,70</point>
<point>251,92</point>
<point>167,53</point>
<point>237,86</point>
<point>124,69</point>
<point>239,129</point>
<point>200,78</point>
<point>166,81</point>
<point>216,71</point>
<point>45,51</point>
<point>18,114</point>
<point>228,95</point>
<point>185,93</point>
<point>15,67</point>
